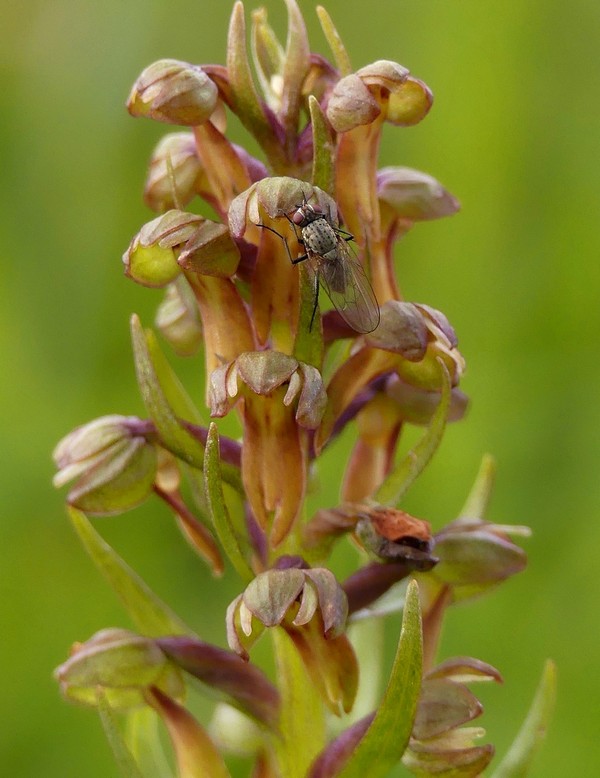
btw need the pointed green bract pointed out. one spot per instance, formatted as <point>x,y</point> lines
<point>302,721</point>
<point>150,614</point>
<point>386,739</point>
<point>295,68</point>
<point>243,90</point>
<point>518,760</point>
<point>267,55</point>
<point>323,169</point>
<point>340,55</point>
<point>217,508</point>
<point>172,434</point>
<point>123,756</point>
<point>476,504</point>
<point>143,740</point>
<point>175,394</point>
<point>402,477</point>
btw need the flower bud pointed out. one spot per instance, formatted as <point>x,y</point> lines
<point>274,196</point>
<point>402,330</point>
<point>410,104</point>
<point>113,463</point>
<point>119,663</point>
<point>439,743</point>
<point>173,92</point>
<point>417,406</point>
<point>382,88</point>
<point>210,251</point>
<point>175,173</point>
<point>360,98</point>
<point>408,341</point>
<point>178,319</point>
<point>441,343</point>
<point>151,259</point>
<point>351,104</point>
<point>413,195</point>
<point>476,555</point>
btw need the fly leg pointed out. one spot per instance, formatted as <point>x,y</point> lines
<point>344,234</point>
<point>296,262</point>
<point>316,302</point>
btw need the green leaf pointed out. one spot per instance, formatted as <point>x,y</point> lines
<point>387,738</point>
<point>150,614</point>
<point>302,721</point>
<point>123,756</point>
<point>218,510</point>
<point>175,394</point>
<point>518,760</point>
<point>478,500</point>
<point>340,55</point>
<point>405,473</point>
<point>172,433</point>
<point>245,100</point>
<point>142,737</point>
<point>323,171</point>
<point>367,637</point>
<point>267,54</point>
<point>295,68</point>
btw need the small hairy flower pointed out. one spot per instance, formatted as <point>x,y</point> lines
<point>282,400</point>
<point>311,607</point>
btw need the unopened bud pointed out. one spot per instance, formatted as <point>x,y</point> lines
<point>178,319</point>
<point>413,195</point>
<point>174,174</point>
<point>112,462</point>
<point>120,664</point>
<point>173,92</point>
<point>475,555</point>
<point>151,259</point>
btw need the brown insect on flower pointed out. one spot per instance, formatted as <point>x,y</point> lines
<point>333,266</point>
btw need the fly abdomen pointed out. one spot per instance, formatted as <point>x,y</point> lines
<point>336,273</point>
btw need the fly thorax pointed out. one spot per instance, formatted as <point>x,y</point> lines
<point>319,238</point>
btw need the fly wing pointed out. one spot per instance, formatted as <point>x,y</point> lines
<point>347,286</point>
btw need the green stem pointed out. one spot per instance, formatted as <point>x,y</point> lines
<point>302,721</point>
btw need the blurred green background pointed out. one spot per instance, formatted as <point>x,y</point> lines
<point>514,134</point>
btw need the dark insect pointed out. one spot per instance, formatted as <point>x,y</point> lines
<point>332,264</point>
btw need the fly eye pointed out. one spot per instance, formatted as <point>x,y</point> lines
<point>298,217</point>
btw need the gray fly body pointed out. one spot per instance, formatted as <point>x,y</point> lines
<point>333,266</point>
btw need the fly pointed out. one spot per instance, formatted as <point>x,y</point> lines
<point>332,265</point>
